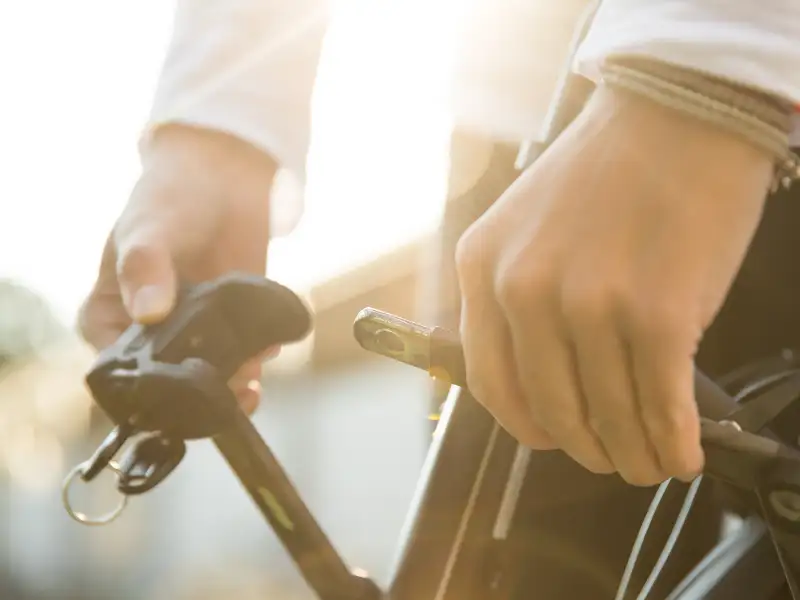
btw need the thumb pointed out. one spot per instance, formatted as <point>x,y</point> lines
<point>147,279</point>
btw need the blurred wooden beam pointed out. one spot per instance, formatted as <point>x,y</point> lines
<point>389,283</point>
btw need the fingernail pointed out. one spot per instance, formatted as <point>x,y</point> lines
<point>249,396</point>
<point>690,478</point>
<point>248,402</point>
<point>151,303</point>
<point>271,353</point>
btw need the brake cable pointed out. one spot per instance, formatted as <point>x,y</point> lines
<point>669,546</point>
<point>744,393</point>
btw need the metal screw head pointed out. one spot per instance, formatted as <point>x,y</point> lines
<point>731,424</point>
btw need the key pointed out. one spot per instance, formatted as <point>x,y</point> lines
<point>148,463</point>
<point>106,452</point>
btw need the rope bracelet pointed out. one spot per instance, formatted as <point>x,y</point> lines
<point>758,118</point>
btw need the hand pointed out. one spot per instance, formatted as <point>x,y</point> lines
<point>587,287</point>
<point>199,210</point>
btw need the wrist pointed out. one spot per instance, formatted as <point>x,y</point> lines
<point>673,147</point>
<point>752,115</point>
<point>223,152</point>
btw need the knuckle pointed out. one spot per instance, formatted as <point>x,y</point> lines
<point>524,290</point>
<point>592,302</point>
<point>605,427</point>
<point>469,251</point>
<point>635,464</point>
<point>469,260</point>
<point>464,252</point>
<point>137,258</point>
<point>563,425</point>
<point>84,320</point>
<point>474,375</point>
<point>666,422</point>
<point>475,385</point>
<point>657,321</point>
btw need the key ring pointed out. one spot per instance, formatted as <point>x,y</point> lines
<point>82,517</point>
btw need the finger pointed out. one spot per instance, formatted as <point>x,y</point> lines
<point>245,383</point>
<point>146,275</point>
<point>663,369</point>
<point>270,353</point>
<point>548,377</point>
<point>102,316</point>
<point>248,395</point>
<point>606,378</point>
<point>101,320</point>
<point>251,369</point>
<point>491,374</point>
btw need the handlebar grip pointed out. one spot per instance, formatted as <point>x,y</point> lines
<point>218,324</point>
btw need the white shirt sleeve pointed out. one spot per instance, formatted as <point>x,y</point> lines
<point>754,42</point>
<point>244,67</point>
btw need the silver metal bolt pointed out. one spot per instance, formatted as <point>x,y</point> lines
<point>731,424</point>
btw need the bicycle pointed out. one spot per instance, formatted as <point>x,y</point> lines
<point>166,384</point>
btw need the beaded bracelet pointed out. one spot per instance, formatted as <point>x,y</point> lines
<point>759,118</point>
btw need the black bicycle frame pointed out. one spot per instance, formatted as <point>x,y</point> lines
<point>460,518</point>
<point>466,469</point>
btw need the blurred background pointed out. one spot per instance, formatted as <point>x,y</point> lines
<point>352,432</point>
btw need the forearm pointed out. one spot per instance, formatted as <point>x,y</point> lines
<point>245,68</point>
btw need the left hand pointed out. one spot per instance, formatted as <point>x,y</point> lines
<point>587,287</point>
<point>200,209</point>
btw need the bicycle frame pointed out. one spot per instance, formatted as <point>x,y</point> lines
<point>726,572</point>
<point>462,512</point>
<point>469,460</point>
<point>168,381</point>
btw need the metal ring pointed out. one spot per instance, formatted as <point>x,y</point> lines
<point>82,517</point>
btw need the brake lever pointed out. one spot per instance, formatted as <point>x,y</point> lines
<point>779,394</point>
<point>787,547</point>
<point>167,383</point>
<point>439,352</point>
<point>735,453</point>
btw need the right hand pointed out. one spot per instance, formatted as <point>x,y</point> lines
<point>200,209</point>
<point>589,284</point>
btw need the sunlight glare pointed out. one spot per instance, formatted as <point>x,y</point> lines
<point>77,103</point>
